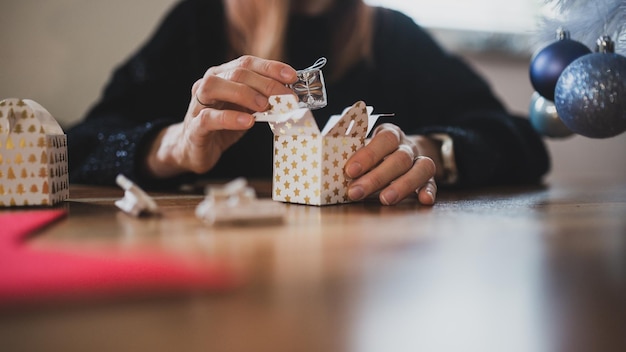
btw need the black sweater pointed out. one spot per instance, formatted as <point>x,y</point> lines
<point>428,89</point>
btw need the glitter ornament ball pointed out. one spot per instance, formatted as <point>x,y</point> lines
<point>547,64</point>
<point>544,118</point>
<point>590,95</point>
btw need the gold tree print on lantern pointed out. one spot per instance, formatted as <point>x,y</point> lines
<point>11,174</point>
<point>30,139</point>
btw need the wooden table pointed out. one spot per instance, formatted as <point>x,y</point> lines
<point>515,269</point>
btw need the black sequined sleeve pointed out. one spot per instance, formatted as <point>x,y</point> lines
<point>100,153</point>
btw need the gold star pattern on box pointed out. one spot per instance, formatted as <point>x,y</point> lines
<point>33,155</point>
<point>308,164</point>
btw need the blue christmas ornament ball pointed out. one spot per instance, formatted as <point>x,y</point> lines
<point>548,63</point>
<point>545,119</point>
<point>590,95</point>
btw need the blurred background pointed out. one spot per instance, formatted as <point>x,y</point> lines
<point>60,53</point>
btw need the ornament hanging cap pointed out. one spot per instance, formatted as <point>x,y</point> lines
<point>562,34</point>
<point>605,45</point>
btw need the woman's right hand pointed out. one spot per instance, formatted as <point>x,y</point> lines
<point>220,112</point>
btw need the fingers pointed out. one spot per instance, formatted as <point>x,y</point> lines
<point>220,109</point>
<point>246,82</point>
<point>385,141</point>
<point>210,120</point>
<point>428,192</point>
<point>206,136</point>
<point>419,179</point>
<point>390,163</point>
<point>269,68</point>
<point>398,177</point>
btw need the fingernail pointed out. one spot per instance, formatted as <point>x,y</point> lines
<point>261,101</point>
<point>244,120</point>
<point>356,193</point>
<point>432,196</point>
<point>354,170</point>
<point>389,197</point>
<point>287,74</point>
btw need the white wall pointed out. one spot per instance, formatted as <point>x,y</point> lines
<point>61,52</point>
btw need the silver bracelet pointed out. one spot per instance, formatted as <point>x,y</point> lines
<point>450,171</point>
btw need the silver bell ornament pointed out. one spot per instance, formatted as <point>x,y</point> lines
<point>544,118</point>
<point>590,95</point>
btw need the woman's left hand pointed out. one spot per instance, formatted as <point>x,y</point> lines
<point>392,164</point>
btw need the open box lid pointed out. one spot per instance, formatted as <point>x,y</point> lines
<point>285,118</point>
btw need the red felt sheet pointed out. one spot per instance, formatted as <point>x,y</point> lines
<point>29,275</point>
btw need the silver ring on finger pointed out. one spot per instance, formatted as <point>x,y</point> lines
<point>417,157</point>
<point>201,103</point>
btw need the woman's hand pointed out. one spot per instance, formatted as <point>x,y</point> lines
<point>392,163</point>
<point>219,113</point>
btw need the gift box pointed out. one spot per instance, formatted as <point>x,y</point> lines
<point>308,163</point>
<point>33,155</point>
